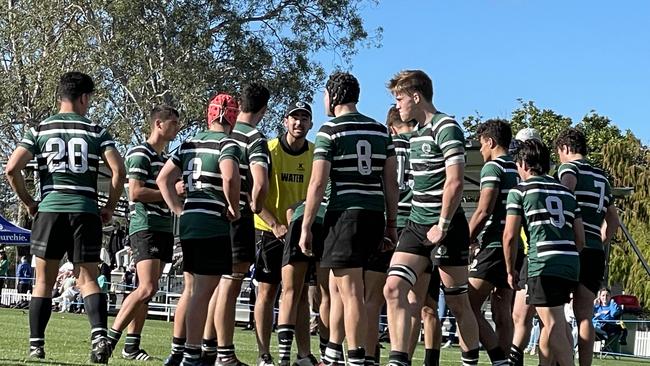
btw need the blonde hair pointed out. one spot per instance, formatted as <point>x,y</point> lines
<point>412,81</point>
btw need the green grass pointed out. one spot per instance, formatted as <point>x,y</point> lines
<point>68,343</point>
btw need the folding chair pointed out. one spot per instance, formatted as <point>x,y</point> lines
<point>609,344</point>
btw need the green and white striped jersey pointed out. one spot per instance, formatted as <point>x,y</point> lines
<point>438,144</point>
<point>404,177</point>
<point>204,210</point>
<point>594,195</point>
<point>254,150</point>
<point>67,148</point>
<point>357,147</point>
<point>500,174</point>
<point>548,210</point>
<point>144,164</point>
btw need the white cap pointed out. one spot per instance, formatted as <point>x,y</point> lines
<point>528,134</point>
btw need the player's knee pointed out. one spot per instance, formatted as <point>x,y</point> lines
<point>147,292</point>
<point>455,290</point>
<point>401,272</point>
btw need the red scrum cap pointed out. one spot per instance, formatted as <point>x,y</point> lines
<point>224,109</point>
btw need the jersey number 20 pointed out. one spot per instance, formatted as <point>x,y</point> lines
<point>76,150</point>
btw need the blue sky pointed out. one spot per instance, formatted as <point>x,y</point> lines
<point>569,56</point>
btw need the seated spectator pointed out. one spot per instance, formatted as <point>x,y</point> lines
<point>606,314</point>
<point>67,298</point>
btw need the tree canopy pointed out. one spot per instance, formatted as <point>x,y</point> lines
<point>142,53</point>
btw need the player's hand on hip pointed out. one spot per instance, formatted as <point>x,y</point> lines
<point>106,214</point>
<point>180,188</point>
<point>435,235</point>
<point>305,243</point>
<point>280,231</point>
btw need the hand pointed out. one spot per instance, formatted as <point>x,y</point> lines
<point>279,230</point>
<point>233,213</point>
<point>513,280</point>
<point>106,214</point>
<point>180,188</point>
<point>177,208</point>
<point>305,243</point>
<point>255,208</point>
<point>390,239</point>
<point>435,235</point>
<point>32,208</point>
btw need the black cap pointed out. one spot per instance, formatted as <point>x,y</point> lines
<point>298,106</point>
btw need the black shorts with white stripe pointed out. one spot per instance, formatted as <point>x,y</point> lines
<point>79,234</point>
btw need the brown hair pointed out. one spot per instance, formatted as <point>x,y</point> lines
<point>412,81</point>
<point>393,118</point>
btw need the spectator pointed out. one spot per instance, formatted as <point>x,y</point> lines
<point>67,298</point>
<point>445,313</point>
<point>115,243</point>
<point>4,269</point>
<point>104,279</point>
<point>535,332</point>
<point>606,312</point>
<point>24,274</point>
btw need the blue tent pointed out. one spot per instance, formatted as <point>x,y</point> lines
<point>11,234</point>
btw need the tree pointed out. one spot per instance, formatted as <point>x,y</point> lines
<point>141,53</point>
<point>180,52</point>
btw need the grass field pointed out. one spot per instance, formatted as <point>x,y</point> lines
<point>68,343</point>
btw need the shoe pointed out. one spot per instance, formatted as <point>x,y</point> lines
<point>139,355</point>
<point>101,351</point>
<point>194,362</point>
<point>308,360</point>
<point>37,352</point>
<point>208,359</point>
<point>527,349</point>
<point>231,361</point>
<point>265,360</point>
<point>446,345</point>
<point>173,360</point>
<point>533,351</point>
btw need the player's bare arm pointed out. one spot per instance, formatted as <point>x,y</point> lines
<point>451,197</point>
<point>231,186</point>
<point>139,193</point>
<point>510,237</point>
<point>391,195</point>
<point>320,173</point>
<point>260,186</point>
<point>486,202</point>
<point>279,230</point>
<point>115,163</point>
<point>611,224</point>
<point>579,232</point>
<point>166,181</point>
<point>17,162</point>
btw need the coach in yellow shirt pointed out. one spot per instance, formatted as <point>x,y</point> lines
<point>291,158</point>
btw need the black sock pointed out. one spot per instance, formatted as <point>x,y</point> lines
<point>178,346</point>
<point>470,357</point>
<point>192,352</point>
<point>333,353</point>
<point>226,353</point>
<point>497,357</point>
<point>285,340</point>
<point>516,356</point>
<point>397,358</point>
<point>114,336</point>
<point>431,357</point>
<point>209,347</point>
<point>377,354</point>
<point>97,311</point>
<point>323,346</point>
<point>40,310</point>
<point>356,357</point>
<point>132,343</point>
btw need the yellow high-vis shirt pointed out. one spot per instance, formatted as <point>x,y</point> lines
<point>288,179</point>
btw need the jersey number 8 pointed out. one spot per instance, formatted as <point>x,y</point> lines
<point>364,156</point>
<point>77,153</point>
